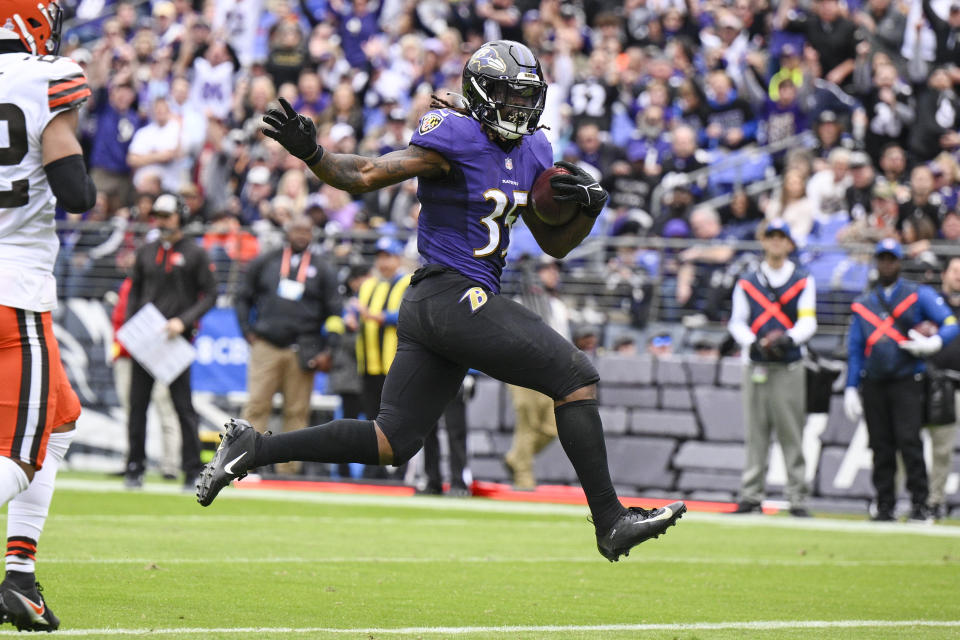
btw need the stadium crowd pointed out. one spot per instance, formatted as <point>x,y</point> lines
<point>703,118</point>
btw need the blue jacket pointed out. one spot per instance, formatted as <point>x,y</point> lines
<point>873,353</point>
<point>763,321</point>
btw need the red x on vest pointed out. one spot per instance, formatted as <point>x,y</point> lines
<point>773,308</point>
<point>884,327</point>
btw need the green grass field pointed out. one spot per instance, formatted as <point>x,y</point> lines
<point>277,565</point>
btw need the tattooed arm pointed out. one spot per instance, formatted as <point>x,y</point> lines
<point>359,174</point>
<point>355,174</point>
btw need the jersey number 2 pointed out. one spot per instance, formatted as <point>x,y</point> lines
<point>13,148</point>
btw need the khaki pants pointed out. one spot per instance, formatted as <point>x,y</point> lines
<point>536,428</point>
<point>942,439</point>
<point>774,405</point>
<point>271,370</point>
<point>159,400</point>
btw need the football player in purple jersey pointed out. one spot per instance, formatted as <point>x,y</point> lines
<point>475,167</point>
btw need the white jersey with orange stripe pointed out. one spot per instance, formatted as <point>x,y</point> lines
<point>33,91</point>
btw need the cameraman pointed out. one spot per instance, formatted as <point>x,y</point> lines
<point>774,312</point>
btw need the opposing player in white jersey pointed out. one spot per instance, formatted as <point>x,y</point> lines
<point>40,166</point>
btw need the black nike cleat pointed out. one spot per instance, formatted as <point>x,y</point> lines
<point>636,526</point>
<point>26,608</point>
<point>232,461</point>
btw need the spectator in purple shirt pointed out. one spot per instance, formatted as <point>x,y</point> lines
<point>116,121</point>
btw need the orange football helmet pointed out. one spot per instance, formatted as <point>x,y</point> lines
<point>36,22</point>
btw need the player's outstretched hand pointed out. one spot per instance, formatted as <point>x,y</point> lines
<point>295,132</point>
<point>580,187</point>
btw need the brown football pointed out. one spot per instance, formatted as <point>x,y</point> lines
<point>927,328</point>
<point>552,212</point>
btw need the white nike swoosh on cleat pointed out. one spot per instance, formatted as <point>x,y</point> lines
<point>666,515</point>
<point>36,610</point>
<point>229,466</point>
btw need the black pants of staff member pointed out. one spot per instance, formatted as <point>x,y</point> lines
<point>141,386</point>
<point>893,410</point>
<point>455,422</point>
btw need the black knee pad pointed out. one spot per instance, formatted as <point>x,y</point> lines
<point>401,430</point>
<point>404,450</point>
<point>580,373</point>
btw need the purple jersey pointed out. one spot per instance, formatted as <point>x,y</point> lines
<point>466,216</point>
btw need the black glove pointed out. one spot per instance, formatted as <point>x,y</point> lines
<point>756,353</point>
<point>780,346</point>
<point>580,187</point>
<point>295,132</point>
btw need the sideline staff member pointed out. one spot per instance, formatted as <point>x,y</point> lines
<point>774,312</point>
<point>174,273</point>
<point>293,292</point>
<point>885,357</point>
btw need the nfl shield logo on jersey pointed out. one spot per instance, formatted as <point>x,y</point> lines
<point>509,164</point>
<point>430,122</point>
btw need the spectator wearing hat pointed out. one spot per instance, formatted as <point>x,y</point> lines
<point>783,118</point>
<point>226,242</point>
<point>885,367</point>
<point>829,134</point>
<point>859,194</point>
<point>660,345</point>
<point>790,69</point>
<point>173,273</point>
<point>378,306</point>
<point>773,316</point>
<point>114,121</point>
<point>288,295</point>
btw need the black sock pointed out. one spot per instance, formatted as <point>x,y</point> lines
<point>581,435</point>
<point>23,581</point>
<point>336,441</point>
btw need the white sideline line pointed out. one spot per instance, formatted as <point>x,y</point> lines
<point>761,562</point>
<point>695,626</point>
<point>480,505</point>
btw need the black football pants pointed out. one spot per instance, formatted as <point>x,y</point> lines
<point>443,331</point>
<point>893,410</point>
